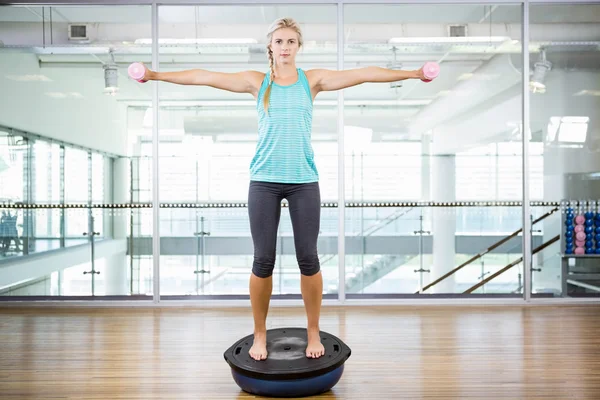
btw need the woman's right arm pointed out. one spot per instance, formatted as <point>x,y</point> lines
<point>237,82</point>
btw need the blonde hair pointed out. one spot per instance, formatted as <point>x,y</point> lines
<point>276,25</point>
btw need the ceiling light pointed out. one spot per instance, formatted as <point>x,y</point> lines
<point>62,95</point>
<point>541,68</point>
<point>588,93</point>
<point>111,84</point>
<point>29,78</point>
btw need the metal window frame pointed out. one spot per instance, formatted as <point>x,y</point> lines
<point>526,237</point>
<point>278,2</point>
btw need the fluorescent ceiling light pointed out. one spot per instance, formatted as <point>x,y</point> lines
<point>588,93</point>
<point>29,78</point>
<point>61,95</point>
<point>199,41</point>
<point>82,50</point>
<point>449,40</point>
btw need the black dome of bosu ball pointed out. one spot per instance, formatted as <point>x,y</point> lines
<point>287,372</point>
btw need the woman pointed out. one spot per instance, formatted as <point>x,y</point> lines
<point>283,166</point>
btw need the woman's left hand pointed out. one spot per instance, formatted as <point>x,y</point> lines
<point>419,74</point>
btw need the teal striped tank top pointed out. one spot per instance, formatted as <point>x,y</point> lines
<point>284,152</point>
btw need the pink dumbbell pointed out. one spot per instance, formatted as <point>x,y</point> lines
<point>580,236</point>
<point>580,243</point>
<point>431,70</point>
<point>137,71</point>
<point>579,228</point>
<point>579,250</point>
<point>579,220</point>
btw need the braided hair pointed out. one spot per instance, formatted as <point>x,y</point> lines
<point>278,24</point>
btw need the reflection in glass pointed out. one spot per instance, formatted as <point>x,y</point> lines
<point>564,103</point>
<point>453,140</point>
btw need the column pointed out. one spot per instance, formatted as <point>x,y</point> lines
<point>116,265</point>
<point>426,167</point>
<point>443,188</point>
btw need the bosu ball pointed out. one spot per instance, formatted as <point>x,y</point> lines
<point>287,372</point>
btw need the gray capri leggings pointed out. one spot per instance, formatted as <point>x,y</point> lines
<point>264,208</point>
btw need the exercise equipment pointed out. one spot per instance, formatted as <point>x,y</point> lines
<point>581,227</point>
<point>137,71</point>
<point>287,372</point>
<point>431,70</point>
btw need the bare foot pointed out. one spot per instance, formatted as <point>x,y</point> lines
<point>314,349</point>
<point>258,351</point>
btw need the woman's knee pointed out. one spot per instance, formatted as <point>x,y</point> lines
<point>263,266</point>
<point>309,264</point>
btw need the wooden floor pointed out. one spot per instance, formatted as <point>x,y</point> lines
<point>397,353</point>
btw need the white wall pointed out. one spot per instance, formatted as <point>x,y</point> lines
<point>497,117</point>
<point>66,104</point>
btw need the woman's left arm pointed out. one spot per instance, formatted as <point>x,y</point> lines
<point>324,80</point>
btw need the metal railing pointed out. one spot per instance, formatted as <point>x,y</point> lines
<point>374,228</point>
<point>483,253</point>
<point>512,264</point>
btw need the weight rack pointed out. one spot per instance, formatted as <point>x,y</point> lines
<point>580,228</point>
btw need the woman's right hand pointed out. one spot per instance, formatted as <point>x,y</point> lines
<point>140,72</point>
<point>148,75</point>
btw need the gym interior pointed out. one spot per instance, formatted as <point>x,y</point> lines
<point>460,222</point>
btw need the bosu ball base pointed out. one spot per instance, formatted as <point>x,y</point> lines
<point>287,372</point>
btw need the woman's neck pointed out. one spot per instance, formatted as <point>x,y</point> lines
<point>285,71</point>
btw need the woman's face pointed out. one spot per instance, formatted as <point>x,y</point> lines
<point>284,45</point>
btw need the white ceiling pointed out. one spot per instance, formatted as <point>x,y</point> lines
<point>74,71</point>
<point>313,14</point>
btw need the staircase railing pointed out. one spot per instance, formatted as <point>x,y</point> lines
<point>375,271</point>
<point>375,227</point>
<point>512,264</point>
<point>486,251</point>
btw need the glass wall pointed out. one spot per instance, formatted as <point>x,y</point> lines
<point>564,102</point>
<point>64,149</point>
<point>208,138</point>
<point>442,144</point>
<point>432,171</point>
